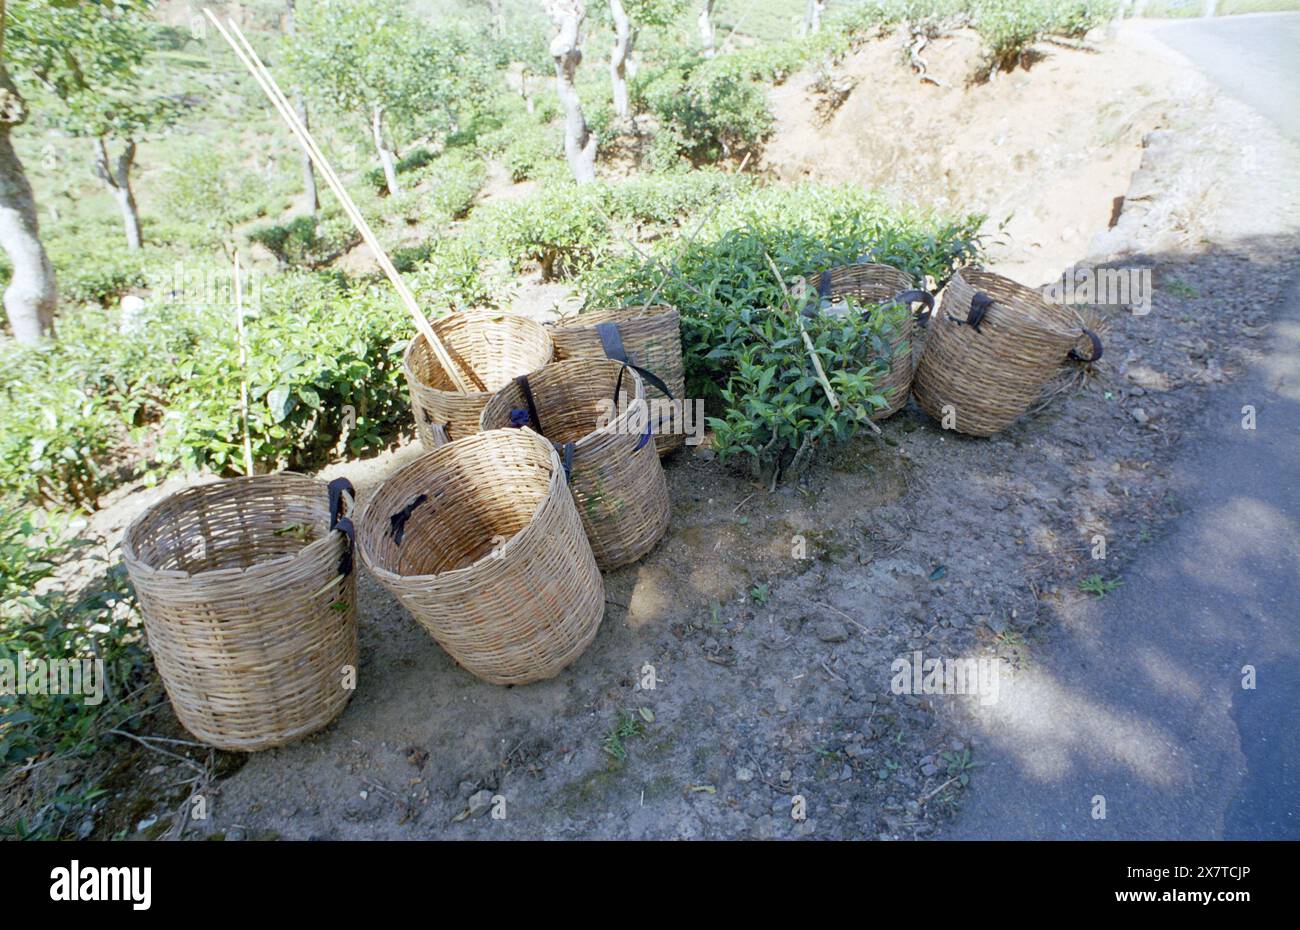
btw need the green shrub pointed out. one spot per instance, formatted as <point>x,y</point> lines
<point>525,146</point>
<point>98,622</point>
<point>726,293</point>
<point>457,178</point>
<point>412,161</point>
<point>706,109</point>
<point>308,241</point>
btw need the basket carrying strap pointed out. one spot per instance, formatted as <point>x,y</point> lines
<point>568,463</point>
<point>343,524</point>
<point>536,421</point>
<point>618,386</point>
<point>916,295</point>
<point>612,342</point>
<point>1096,348</point>
<point>397,521</point>
<point>979,305</point>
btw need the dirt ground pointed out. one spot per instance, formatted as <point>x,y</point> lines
<point>773,671</point>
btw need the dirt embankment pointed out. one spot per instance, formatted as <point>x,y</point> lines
<point>1044,152</point>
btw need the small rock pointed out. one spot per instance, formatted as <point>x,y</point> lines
<point>1139,415</point>
<point>832,631</point>
<point>929,770</point>
<point>744,774</point>
<point>997,623</point>
<point>479,802</point>
<point>786,776</point>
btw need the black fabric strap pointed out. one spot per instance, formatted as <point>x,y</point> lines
<point>1096,348</point>
<point>568,463</point>
<point>612,342</point>
<point>522,381</point>
<point>824,285</point>
<point>979,305</point>
<point>618,386</point>
<point>914,295</point>
<point>397,521</point>
<point>336,489</point>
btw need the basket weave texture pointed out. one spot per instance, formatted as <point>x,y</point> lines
<point>481,541</point>
<point>991,376</point>
<point>652,337</point>
<point>620,489</point>
<point>249,620</point>
<point>495,347</point>
<point>868,282</point>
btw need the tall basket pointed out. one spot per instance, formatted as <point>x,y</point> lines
<point>249,603</point>
<point>647,337</point>
<point>594,412</point>
<point>868,282</point>
<point>481,541</point>
<point>489,349</point>
<point>991,348</point>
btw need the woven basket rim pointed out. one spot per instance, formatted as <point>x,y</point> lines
<point>591,438</point>
<point>467,315</point>
<point>425,461</point>
<point>1039,321</point>
<point>312,550</point>
<point>633,310</point>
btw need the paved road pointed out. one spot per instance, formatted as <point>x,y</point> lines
<point>1254,58</point>
<point>1141,701</point>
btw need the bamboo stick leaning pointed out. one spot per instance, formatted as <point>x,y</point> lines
<point>248,57</point>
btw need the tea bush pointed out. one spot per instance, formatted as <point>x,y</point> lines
<point>744,356</point>
<point>164,391</point>
<point>308,241</point>
<point>99,622</point>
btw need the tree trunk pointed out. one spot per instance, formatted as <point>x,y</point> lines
<point>385,153</point>
<point>579,142</point>
<point>497,8</point>
<point>812,16</point>
<point>706,28</point>
<point>300,105</point>
<point>31,296</point>
<point>308,170</point>
<point>116,175</point>
<point>618,58</point>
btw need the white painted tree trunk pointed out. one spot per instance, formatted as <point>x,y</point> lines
<point>812,16</point>
<point>618,58</point>
<point>31,296</point>
<point>386,158</point>
<point>116,175</point>
<point>308,171</point>
<point>579,142</point>
<point>706,29</point>
<point>1209,7</point>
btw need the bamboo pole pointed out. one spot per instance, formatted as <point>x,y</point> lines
<point>249,58</point>
<point>243,367</point>
<point>807,340</point>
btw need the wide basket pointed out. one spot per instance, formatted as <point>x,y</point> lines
<point>991,348</point>
<point>481,541</point>
<point>649,337</point>
<point>490,347</point>
<point>249,603</point>
<point>868,282</point>
<point>594,412</point>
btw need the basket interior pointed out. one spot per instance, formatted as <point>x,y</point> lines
<point>496,350</point>
<point>571,398</point>
<point>234,524</point>
<point>478,493</point>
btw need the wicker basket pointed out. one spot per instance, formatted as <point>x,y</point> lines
<point>615,475</point>
<point>867,282</point>
<point>249,603</point>
<point>490,348</point>
<point>480,540</point>
<point>651,339</point>
<point>991,348</point>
